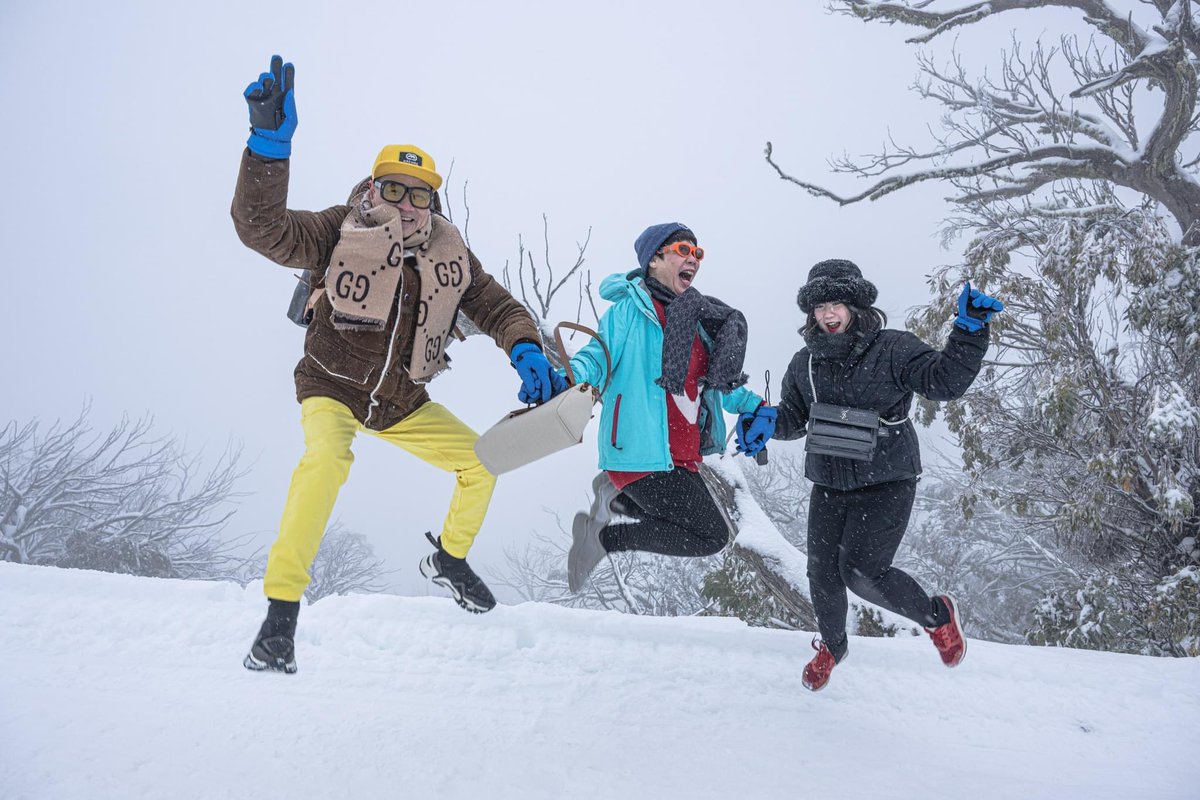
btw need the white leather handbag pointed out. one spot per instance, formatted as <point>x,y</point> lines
<point>528,434</point>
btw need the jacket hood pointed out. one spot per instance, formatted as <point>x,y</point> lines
<point>618,286</point>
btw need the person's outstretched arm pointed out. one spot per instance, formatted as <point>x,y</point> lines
<point>946,374</point>
<point>301,239</point>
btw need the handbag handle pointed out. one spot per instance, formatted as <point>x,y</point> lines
<point>562,350</point>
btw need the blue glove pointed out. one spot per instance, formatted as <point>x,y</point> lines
<point>558,383</point>
<point>753,437</point>
<point>975,309</point>
<point>539,381</point>
<point>272,111</point>
<point>740,427</point>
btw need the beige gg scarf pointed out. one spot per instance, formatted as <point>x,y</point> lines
<point>365,267</point>
<point>364,276</point>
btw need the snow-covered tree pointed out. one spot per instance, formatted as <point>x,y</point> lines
<point>962,544</point>
<point>345,563</point>
<point>1085,423</point>
<point>124,501</point>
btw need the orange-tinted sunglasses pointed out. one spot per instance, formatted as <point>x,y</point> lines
<point>685,249</point>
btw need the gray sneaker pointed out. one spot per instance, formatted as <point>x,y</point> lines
<point>586,547</point>
<point>603,494</point>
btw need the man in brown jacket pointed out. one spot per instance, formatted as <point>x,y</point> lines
<point>389,276</point>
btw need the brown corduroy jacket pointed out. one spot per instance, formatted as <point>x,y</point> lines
<point>363,370</point>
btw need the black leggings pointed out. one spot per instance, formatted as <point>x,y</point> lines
<point>676,516</point>
<point>852,538</point>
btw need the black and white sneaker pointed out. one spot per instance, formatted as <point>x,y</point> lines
<point>274,648</point>
<point>456,574</point>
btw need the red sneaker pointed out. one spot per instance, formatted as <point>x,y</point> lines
<point>816,672</point>
<point>948,638</point>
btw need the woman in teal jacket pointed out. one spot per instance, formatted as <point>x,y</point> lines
<point>676,363</point>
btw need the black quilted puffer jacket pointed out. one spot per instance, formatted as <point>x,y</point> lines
<point>879,371</point>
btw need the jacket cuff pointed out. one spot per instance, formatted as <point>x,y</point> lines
<point>536,344</point>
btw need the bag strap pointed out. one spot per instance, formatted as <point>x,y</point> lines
<point>814,391</point>
<point>562,350</point>
<point>810,378</point>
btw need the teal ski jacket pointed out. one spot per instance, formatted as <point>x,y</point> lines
<point>633,423</point>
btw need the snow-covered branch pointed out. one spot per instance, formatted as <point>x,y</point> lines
<point>1042,165</point>
<point>1097,13</point>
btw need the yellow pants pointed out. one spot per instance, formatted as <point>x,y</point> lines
<point>431,433</point>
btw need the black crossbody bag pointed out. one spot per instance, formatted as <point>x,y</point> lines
<point>840,431</point>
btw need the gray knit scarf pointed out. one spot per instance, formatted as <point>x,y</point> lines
<point>726,326</point>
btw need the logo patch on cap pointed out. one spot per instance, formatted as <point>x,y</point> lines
<point>411,158</point>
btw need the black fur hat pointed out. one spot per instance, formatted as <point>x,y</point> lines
<point>836,280</point>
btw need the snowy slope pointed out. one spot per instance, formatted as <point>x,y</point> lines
<point>120,687</point>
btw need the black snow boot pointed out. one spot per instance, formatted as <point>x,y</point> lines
<point>456,575</point>
<point>275,649</point>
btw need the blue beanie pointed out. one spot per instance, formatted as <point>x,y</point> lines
<point>653,237</point>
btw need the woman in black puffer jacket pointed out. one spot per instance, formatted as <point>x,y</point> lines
<point>859,509</point>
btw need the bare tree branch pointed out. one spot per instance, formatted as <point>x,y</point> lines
<point>1020,134</point>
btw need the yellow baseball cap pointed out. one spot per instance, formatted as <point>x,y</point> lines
<point>407,159</point>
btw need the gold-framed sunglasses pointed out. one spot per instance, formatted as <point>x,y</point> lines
<point>394,192</point>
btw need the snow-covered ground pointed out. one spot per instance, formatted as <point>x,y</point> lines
<point>120,687</point>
